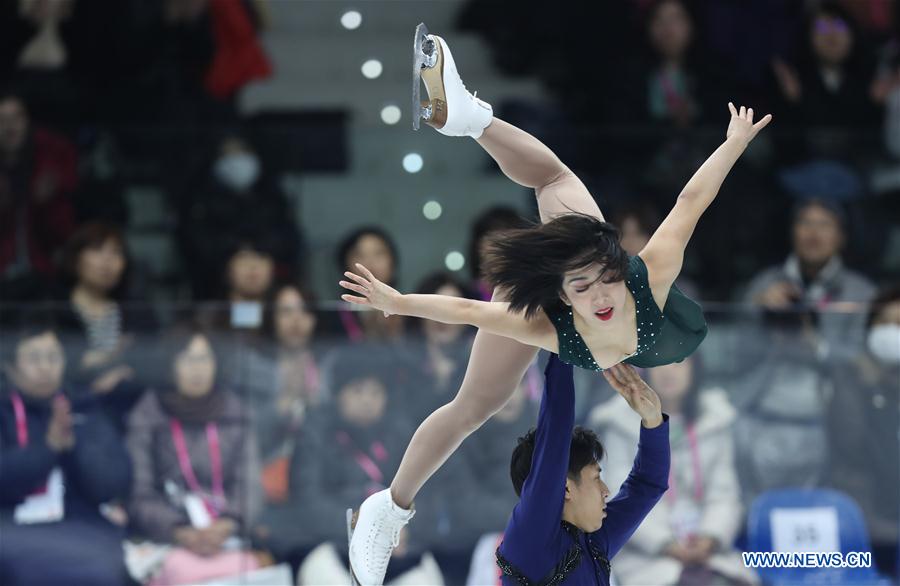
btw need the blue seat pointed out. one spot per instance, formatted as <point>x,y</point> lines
<point>851,529</point>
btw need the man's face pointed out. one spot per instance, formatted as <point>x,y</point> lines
<point>817,235</point>
<point>585,504</point>
<point>39,366</point>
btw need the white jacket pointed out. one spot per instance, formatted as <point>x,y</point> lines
<point>719,511</point>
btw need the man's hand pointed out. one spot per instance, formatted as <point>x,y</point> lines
<point>700,549</point>
<point>194,541</point>
<point>60,433</point>
<point>641,398</point>
<point>778,295</point>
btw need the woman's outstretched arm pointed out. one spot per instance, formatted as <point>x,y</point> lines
<point>664,252</point>
<point>491,316</point>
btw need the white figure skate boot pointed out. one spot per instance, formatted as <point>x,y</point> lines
<point>373,532</point>
<point>450,109</point>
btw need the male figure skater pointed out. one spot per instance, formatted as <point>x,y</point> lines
<point>563,530</point>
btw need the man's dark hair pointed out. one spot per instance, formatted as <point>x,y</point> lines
<point>30,323</point>
<point>529,263</point>
<point>584,450</point>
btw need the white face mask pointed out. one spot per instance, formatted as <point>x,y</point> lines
<point>238,170</point>
<point>884,343</point>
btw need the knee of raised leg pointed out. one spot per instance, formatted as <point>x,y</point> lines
<point>471,414</point>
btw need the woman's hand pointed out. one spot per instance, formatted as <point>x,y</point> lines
<point>641,398</point>
<point>372,292</point>
<point>742,127</point>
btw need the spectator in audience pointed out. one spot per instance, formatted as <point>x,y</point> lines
<point>196,464</point>
<point>886,91</point>
<point>830,85</point>
<point>439,353</point>
<point>862,428</point>
<point>285,381</point>
<point>236,195</point>
<point>687,538</point>
<point>283,377</point>
<point>492,220</point>
<point>374,248</point>
<point>781,395</point>
<point>668,83</point>
<point>358,450</point>
<point>674,86</point>
<point>637,222</point>
<point>105,332</point>
<point>815,278</point>
<point>61,462</point>
<point>59,53</point>
<point>38,172</point>
<point>487,453</point>
<point>246,275</point>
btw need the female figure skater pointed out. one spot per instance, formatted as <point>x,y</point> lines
<point>565,286</point>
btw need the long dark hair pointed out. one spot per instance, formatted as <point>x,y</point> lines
<point>528,264</point>
<point>351,240</point>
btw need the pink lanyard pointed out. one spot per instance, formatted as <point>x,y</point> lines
<point>311,373</point>
<point>365,462</point>
<point>22,430</point>
<point>673,98</point>
<point>215,461</point>
<point>354,332</point>
<point>672,493</point>
<point>21,419</point>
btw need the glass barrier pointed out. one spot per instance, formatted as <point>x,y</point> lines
<point>235,436</point>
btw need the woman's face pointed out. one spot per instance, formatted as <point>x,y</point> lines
<point>195,368</point>
<point>100,267</point>
<point>443,334</point>
<point>39,366</point>
<point>362,402</point>
<point>671,30</point>
<point>250,274</point>
<point>294,322</point>
<point>832,39</point>
<point>373,253</point>
<point>672,381</point>
<point>598,302</point>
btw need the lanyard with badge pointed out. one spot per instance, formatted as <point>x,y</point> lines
<point>211,504</point>
<point>46,503</point>
<point>366,461</point>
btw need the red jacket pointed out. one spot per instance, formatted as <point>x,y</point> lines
<point>50,163</point>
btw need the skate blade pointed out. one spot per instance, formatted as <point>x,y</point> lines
<point>421,44</point>
<point>351,525</point>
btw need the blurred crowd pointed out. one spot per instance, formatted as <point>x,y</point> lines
<point>226,429</point>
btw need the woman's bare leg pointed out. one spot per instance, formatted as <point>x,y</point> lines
<point>496,364</point>
<point>529,162</point>
<point>496,367</point>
